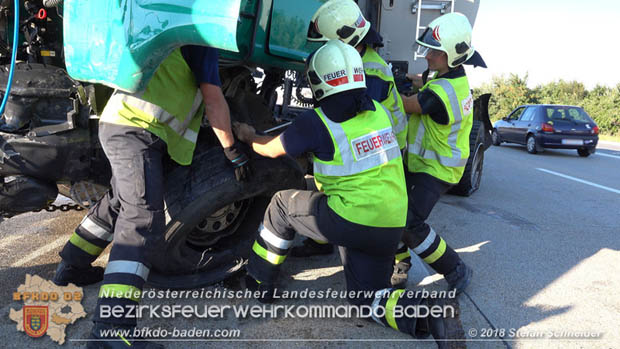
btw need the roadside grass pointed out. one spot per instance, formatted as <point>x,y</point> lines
<point>610,138</point>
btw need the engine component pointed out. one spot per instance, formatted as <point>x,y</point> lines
<point>23,194</point>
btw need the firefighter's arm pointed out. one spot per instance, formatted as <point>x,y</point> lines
<point>218,114</point>
<point>412,105</point>
<point>268,146</point>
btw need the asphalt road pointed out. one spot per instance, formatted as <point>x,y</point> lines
<point>542,236</point>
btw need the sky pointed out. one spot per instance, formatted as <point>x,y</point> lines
<point>550,40</point>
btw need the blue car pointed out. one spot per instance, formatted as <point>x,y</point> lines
<point>541,126</point>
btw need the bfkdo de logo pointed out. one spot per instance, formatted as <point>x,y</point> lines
<point>47,309</point>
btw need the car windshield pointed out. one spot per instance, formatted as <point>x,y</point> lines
<point>569,114</point>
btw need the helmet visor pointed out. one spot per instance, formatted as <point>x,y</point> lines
<point>430,38</point>
<point>422,50</point>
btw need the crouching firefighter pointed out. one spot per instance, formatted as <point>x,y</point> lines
<point>438,143</point>
<point>343,20</point>
<point>137,132</point>
<point>361,206</point>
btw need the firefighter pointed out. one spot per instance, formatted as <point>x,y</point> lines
<point>438,141</point>
<point>343,20</point>
<point>361,204</point>
<point>137,133</point>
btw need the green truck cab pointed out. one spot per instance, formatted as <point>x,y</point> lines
<point>121,43</point>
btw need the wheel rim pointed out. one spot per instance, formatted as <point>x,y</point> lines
<point>219,224</point>
<point>531,144</point>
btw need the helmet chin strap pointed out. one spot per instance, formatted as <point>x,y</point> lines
<point>425,76</point>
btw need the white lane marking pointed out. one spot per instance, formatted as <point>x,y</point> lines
<point>9,240</point>
<point>43,250</point>
<point>608,155</point>
<point>581,181</point>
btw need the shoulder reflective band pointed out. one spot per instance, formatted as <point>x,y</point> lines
<point>380,67</point>
<point>455,160</point>
<point>396,112</point>
<point>161,115</point>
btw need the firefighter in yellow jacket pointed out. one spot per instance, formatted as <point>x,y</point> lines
<point>137,132</point>
<point>343,20</point>
<point>361,205</point>
<point>438,140</point>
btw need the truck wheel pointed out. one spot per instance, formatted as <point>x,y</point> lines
<point>201,198</point>
<point>470,182</point>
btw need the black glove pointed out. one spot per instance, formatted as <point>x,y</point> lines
<point>239,160</point>
<point>403,84</point>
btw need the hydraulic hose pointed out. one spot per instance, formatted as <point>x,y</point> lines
<point>13,57</point>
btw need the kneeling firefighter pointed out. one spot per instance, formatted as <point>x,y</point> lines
<point>343,20</point>
<point>361,204</point>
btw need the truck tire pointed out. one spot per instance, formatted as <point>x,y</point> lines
<point>470,182</point>
<point>197,191</point>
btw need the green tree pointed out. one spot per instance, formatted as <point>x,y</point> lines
<point>508,93</point>
<point>602,103</point>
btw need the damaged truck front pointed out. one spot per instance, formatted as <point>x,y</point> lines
<point>48,132</point>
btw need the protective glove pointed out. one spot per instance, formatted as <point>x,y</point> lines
<point>239,160</point>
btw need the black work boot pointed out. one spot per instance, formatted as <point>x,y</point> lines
<point>111,336</point>
<point>459,278</point>
<point>67,273</point>
<point>434,326</point>
<point>264,292</point>
<point>311,248</point>
<point>401,271</point>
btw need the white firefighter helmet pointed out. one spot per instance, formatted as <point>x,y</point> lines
<point>450,33</point>
<point>333,68</point>
<point>338,19</point>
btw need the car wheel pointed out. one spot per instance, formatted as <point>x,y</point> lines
<point>584,152</point>
<point>531,144</point>
<point>496,139</point>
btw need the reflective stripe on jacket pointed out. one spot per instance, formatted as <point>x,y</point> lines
<point>374,65</point>
<point>170,107</point>
<point>442,150</point>
<point>365,181</point>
